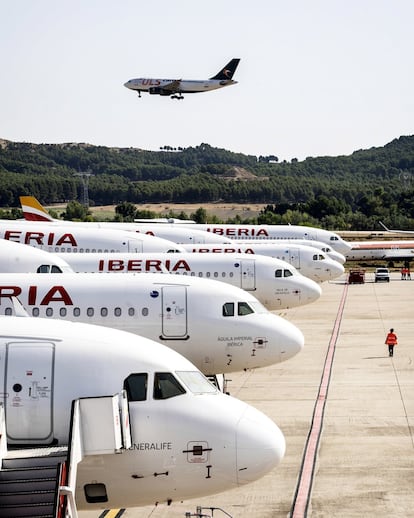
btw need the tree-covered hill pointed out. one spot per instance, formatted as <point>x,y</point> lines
<point>339,192</point>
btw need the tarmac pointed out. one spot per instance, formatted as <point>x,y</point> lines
<point>345,407</point>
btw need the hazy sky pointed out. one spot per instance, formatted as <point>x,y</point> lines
<point>316,77</point>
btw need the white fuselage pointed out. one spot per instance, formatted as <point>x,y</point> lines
<point>308,261</point>
<point>186,439</point>
<point>220,328</point>
<point>186,86</point>
<point>388,250</point>
<point>18,258</point>
<point>265,232</point>
<point>78,239</point>
<point>276,284</point>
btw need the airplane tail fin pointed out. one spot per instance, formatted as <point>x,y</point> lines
<point>33,210</point>
<point>227,71</point>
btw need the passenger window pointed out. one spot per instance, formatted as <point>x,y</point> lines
<point>90,312</point>
<point>278,273</point>
<point>144,312</point>
<point>35,312</point>
<point>76,312</point>
<point>117,312</point>
<point>244,309</point>
<point>228,309</point>
<point>62,312</point>
<point>104,312</point>
<point>131,312</point>
<point>166,386</point>
<point>215,274</point>
<point>287,273</point>
<point>8,312</point>
<point>136,386</point>
<point>49,312</point>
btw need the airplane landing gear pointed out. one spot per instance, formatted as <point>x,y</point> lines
<point>139,94</point>
<point>176,96</point>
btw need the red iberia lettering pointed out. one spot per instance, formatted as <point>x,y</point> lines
<point>66,239</point>
<point>54,294</point>
<point>9,291</point>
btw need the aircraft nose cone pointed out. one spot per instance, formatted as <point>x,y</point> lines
<point>260,446</point>
<point>337,270</point>
<point>292,341</point>
<point>313,291</point>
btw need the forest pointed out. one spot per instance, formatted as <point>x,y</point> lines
<point>350,192</point>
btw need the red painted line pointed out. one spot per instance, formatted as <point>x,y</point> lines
<point>304,485</point>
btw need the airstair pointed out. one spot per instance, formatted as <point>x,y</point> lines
<point>41,482</point>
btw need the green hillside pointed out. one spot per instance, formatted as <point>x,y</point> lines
<point>335,192</point>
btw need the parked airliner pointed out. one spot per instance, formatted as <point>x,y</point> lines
<point>276,284</point>
<point>33,210</point>
<point>18,258</point>
<point>175,88</point>
<point>220,328</point>
<point>183,438</point>
<point>401,250</point>
<point>72,238</point>
<point>329,251</point>
<point>309,261</point>
<point>263,232</point>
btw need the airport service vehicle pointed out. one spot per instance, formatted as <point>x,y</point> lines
<point>220,328</point>
<point>400,250</point>
<point>382,275</point>
<point>78,239</point>
<point>175,88</point>
<point>264,232</point>
<point>18,258</point>
<point>309,261</point>
<point>276,284</point>
<point>34,211</point>
<point>183,438</point>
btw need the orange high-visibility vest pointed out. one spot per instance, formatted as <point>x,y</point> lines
<point>391,339</point>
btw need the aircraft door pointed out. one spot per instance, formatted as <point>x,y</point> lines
<point>174,312</point>
<point>248,274</point>
<point>135,246</point>
<point>294,257</point>
<point>28,391</point>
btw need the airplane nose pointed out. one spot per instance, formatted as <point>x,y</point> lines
<point>260,446</point>
<point>292,341</point>
<point>312,291</point>
<point>336,270</point>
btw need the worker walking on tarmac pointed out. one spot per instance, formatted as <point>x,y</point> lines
<point>391,340</point>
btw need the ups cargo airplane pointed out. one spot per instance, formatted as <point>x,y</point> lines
<point>220,328</point>
<point>309,261</point>
<point>33,210</point>
<point>65,238</point>
<point>18,258</point>
<point>276,284</point>
<point>186,439</point>
<point>175,88</point>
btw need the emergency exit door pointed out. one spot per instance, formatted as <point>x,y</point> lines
<point>28,391</point>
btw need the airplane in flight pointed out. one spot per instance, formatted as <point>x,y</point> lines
<point>175,437</point>
<point>395,250</point>
<point>273,232</point>
<point>276,284</point>
<point>218,327</point>
<point>33,210</point>
<point>175,88</point>
<point>79,239</point>
<point>18,258</point>
<point>307,260</point>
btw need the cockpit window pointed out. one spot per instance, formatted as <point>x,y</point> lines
<point>56,269</point>
<point>228,309</point>
<point>282,273</point>
<point>47,268</point>
<point>136,386</point>
<point>196,382</point>
<point>333,238</point>
<point>287,273</point>
<point>244,309</point>
<point>166,386</point>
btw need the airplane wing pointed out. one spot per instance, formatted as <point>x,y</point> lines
<point>172,87</point>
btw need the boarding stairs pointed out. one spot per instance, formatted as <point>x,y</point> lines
<point>41,482</point>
